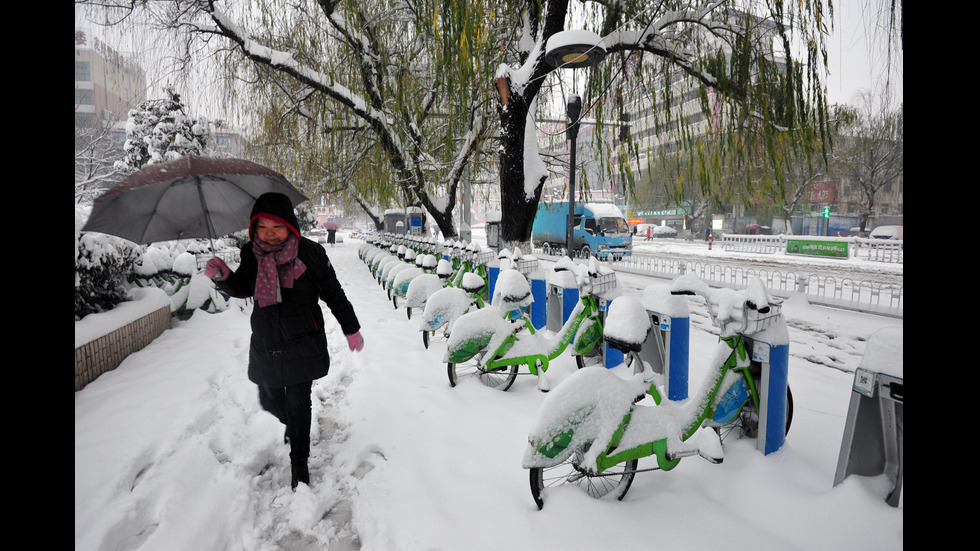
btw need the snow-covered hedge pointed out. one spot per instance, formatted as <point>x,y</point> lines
<point>107,267</point>
<point>102,264</point>
<point>172,267</point>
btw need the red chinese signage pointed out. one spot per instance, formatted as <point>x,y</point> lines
<point>824,192</point>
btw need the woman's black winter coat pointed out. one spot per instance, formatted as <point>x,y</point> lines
<point>289,344</point>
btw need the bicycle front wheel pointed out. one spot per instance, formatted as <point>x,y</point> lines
<point>613,482</point>
<point>500,378</point>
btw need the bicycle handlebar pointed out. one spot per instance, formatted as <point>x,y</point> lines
<point>587,276</point>
<point>727,307</point>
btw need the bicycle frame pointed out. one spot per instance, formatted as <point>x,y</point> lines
<point>587,308</point>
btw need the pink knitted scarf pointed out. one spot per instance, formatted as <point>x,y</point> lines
<point>278,267</point>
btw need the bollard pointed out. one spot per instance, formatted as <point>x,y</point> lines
<point>711,238</point>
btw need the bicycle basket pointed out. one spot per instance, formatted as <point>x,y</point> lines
<point>485,257</point>
<point>754,321</point>
<point>603,283</point>
<point>527,265</point>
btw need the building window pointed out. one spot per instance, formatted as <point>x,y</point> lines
<point>84,121</point>
<point>83,97</point>
<point>82,72</point>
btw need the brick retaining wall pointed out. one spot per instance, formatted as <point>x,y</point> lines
<point>106,353</point>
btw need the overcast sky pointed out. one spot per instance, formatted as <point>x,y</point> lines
<point>857,53</point>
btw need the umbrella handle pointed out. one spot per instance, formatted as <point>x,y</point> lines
<point>207,215</point>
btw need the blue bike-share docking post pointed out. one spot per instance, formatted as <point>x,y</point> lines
<point>667,348</point>
<point>773,386</point>
<point>493,271</point>
<point>539,308</point>
<point>612,356</point>
<point>562,298</point>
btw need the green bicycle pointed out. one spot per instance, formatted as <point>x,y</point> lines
<point>492,343</point>
<point>592,431</point>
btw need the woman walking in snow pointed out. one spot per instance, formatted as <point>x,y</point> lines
<point>287,275</point>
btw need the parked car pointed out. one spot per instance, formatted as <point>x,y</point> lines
<point>887,232</point>
<point>756,229</point>
<point>663,231</point>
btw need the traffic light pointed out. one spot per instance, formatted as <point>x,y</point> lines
<point>826,212</point>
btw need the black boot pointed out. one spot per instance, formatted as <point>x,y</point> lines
<point>285,436</point>
<point>301,472</point>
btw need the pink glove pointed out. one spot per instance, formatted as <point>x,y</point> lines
<point>216,269</point>
<point>355,342</point>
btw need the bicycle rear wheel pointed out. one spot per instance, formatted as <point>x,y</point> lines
<point>632,359</point>
<point>746,424</point>
<point>592,358</point>
<point>500,378</point>
<point>613,482</point>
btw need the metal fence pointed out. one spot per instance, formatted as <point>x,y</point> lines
<point>879,250</point>
<point>232,257</point>
<point>838,292</point>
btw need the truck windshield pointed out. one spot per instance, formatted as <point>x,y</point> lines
<point>613,225</point>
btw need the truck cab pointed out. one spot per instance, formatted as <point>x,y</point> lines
<point>600,229</point>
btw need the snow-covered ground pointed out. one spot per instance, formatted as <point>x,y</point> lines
<point>172,451</point>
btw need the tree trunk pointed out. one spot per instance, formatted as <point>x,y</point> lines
<point>444,220</point>
<point>516,209</point>
<point>524,246</point>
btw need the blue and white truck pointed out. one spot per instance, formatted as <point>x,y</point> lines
<point>600,229</point>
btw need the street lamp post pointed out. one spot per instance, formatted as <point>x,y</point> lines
<point>574,109</point>
<point>573,49</point>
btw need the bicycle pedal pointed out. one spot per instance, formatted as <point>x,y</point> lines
<point>712,460</point>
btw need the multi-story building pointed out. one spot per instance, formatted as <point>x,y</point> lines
<point>107,83</point>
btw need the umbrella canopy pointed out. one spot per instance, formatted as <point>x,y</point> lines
<point>186,198</point>
<point>331,225</point>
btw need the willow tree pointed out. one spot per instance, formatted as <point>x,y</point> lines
<point>762,62</point>
<point>416,76</point>
<point>404,81</point>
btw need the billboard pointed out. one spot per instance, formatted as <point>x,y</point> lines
<point>817,247</point>
<point>823,192</point>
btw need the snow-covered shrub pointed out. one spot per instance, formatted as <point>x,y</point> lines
<point>173,268</point>
<point>107,267</point>
<point>102,264</point>
<point>159,130</point>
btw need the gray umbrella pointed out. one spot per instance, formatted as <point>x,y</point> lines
<point>186,198</point>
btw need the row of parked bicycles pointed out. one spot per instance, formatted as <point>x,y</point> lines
<point>591,430</point>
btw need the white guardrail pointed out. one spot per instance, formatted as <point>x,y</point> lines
<point>879,250</point>
<point>838,292</point>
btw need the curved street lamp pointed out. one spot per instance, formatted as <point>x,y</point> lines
<point>572,50</point>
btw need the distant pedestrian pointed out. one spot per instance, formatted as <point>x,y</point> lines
<point>287,275</point>
<point>331,236</point>
<point>648,233</point>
